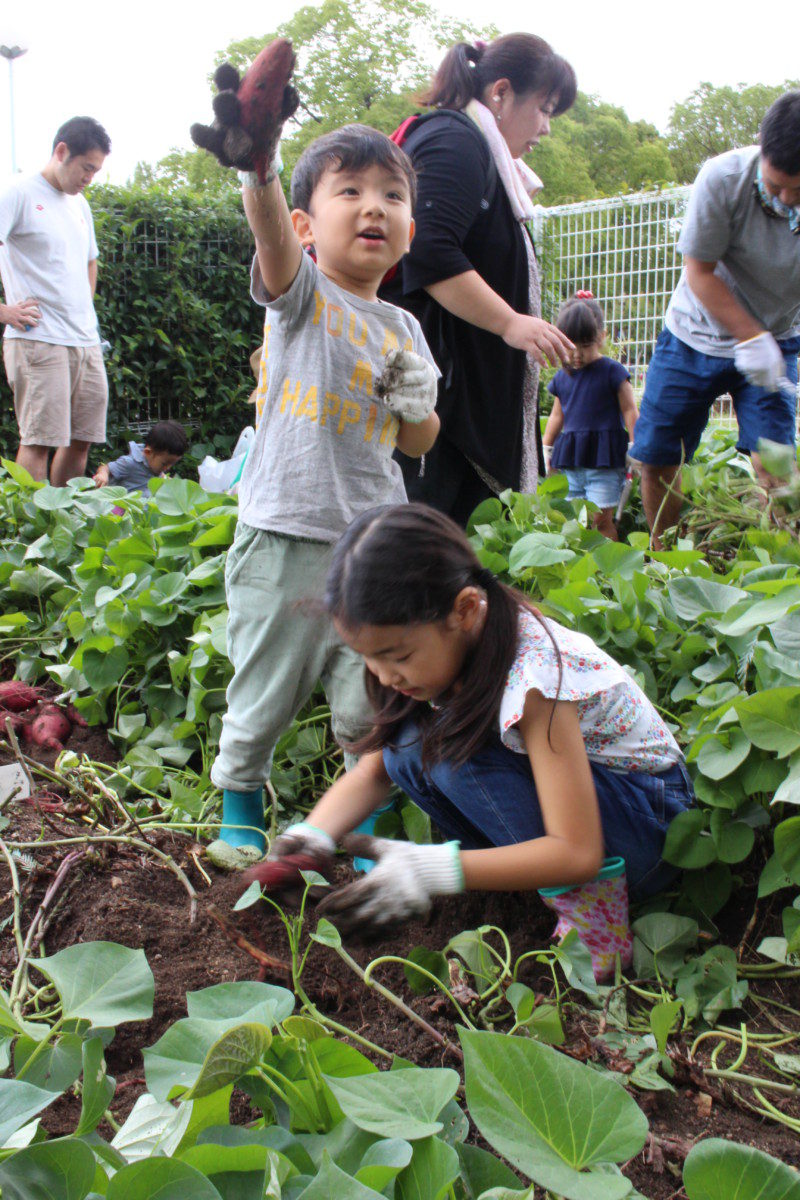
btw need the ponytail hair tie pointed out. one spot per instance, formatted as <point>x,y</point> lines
<point>484,578</point>
<point>480,45</point>
<point>584,295</point>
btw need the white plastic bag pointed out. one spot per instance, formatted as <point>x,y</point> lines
<point>224,476</point>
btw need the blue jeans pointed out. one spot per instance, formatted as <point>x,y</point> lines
<point>600,485</point>
<point>681,386</point>
<point>491,801</point>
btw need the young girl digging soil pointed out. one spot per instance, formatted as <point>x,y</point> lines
<point>525,743</point>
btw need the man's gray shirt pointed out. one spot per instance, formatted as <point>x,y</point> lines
<point>757,256</point>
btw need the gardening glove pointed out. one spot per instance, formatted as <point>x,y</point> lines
<point>402,883</point>
<point>303,838</point>
<point>598,910</point>
<point>761,361</point>
<point>407,386</point>
<point>301,847</point>
<point>249,113</point>
<point>547,452</point>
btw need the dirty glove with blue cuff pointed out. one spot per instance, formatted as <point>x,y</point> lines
<point>303,838</point>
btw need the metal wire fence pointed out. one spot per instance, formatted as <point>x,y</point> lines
<point>624,250</point>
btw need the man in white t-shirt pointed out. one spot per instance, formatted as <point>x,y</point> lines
<point>51,345</point>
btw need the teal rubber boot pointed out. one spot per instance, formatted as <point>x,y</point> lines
<point>243,819</point>
<point>365,865</point>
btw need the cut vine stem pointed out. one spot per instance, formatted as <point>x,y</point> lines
<point>238,938</point>
<point>35,932</point>
<point>400,1004</point>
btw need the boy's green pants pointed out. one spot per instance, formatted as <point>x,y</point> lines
<point>281,644</point>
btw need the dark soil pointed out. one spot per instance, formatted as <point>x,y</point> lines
<point>125,896</point>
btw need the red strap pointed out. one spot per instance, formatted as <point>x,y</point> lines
<point>401,133</point>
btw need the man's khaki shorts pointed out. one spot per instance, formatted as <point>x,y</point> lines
<point>60,392</point>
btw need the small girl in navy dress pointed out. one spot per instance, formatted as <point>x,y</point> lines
<point>532,750</point>
<point>594,413</point>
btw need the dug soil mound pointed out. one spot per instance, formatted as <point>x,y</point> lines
<point>127,896</point>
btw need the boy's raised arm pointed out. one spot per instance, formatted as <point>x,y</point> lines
<point>249,114</point>
<point>277,246</point>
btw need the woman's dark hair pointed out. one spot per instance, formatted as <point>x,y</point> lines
<point>169,436</point>
<point>526,61</point>
<point>351,148</point>
<point>81,134</point>
<point>581,320</point>
<point>780,134</point>
<point>405,564</point>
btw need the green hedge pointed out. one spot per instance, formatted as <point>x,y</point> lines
<point>173,299</point>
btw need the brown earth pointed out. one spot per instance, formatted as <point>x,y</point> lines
<point>126,896</point>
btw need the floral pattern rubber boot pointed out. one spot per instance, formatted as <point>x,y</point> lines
<point>599,912</point>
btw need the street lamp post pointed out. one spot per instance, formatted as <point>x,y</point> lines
<point>10,53</point>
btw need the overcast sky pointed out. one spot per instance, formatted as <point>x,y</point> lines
<point>141,69</point>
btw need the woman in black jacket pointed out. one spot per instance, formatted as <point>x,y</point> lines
<point>471,275</point>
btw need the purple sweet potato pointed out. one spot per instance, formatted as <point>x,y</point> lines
<point>76,717</point>
<point>16,720</point>
<point>49,729</point>
<point>274,875</point>
<point>16,696</point>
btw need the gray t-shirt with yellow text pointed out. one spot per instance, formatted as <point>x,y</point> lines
<point>324,441</point>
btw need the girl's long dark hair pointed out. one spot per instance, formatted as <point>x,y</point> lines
<point>528,62</point>
<point>405,564</point>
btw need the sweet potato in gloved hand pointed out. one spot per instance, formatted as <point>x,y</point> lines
<point>302,847</point>
<point>407,386</point>
<point>402,883</point>
<point>249,113</point>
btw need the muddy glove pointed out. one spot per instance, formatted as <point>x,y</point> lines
<point>408,386</point>
<point>761,361</point>
<point>302,847</point>
<point>401,884</point>
<point>249,113</point>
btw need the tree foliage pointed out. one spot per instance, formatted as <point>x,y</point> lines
<point>357,61</point>
<point>361,62</point>
<point>715,119</point>
<point>194,170</point>
<point>596,150</point>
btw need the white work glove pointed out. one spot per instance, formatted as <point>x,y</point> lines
<point>303,838</point>
<point>761,361</point>
<point>407,386</point>
<point>400,885</point>
<point>547,452</point>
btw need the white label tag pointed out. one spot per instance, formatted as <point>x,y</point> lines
<point>13,782</point>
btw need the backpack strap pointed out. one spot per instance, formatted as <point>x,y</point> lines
<point>401,133</point>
